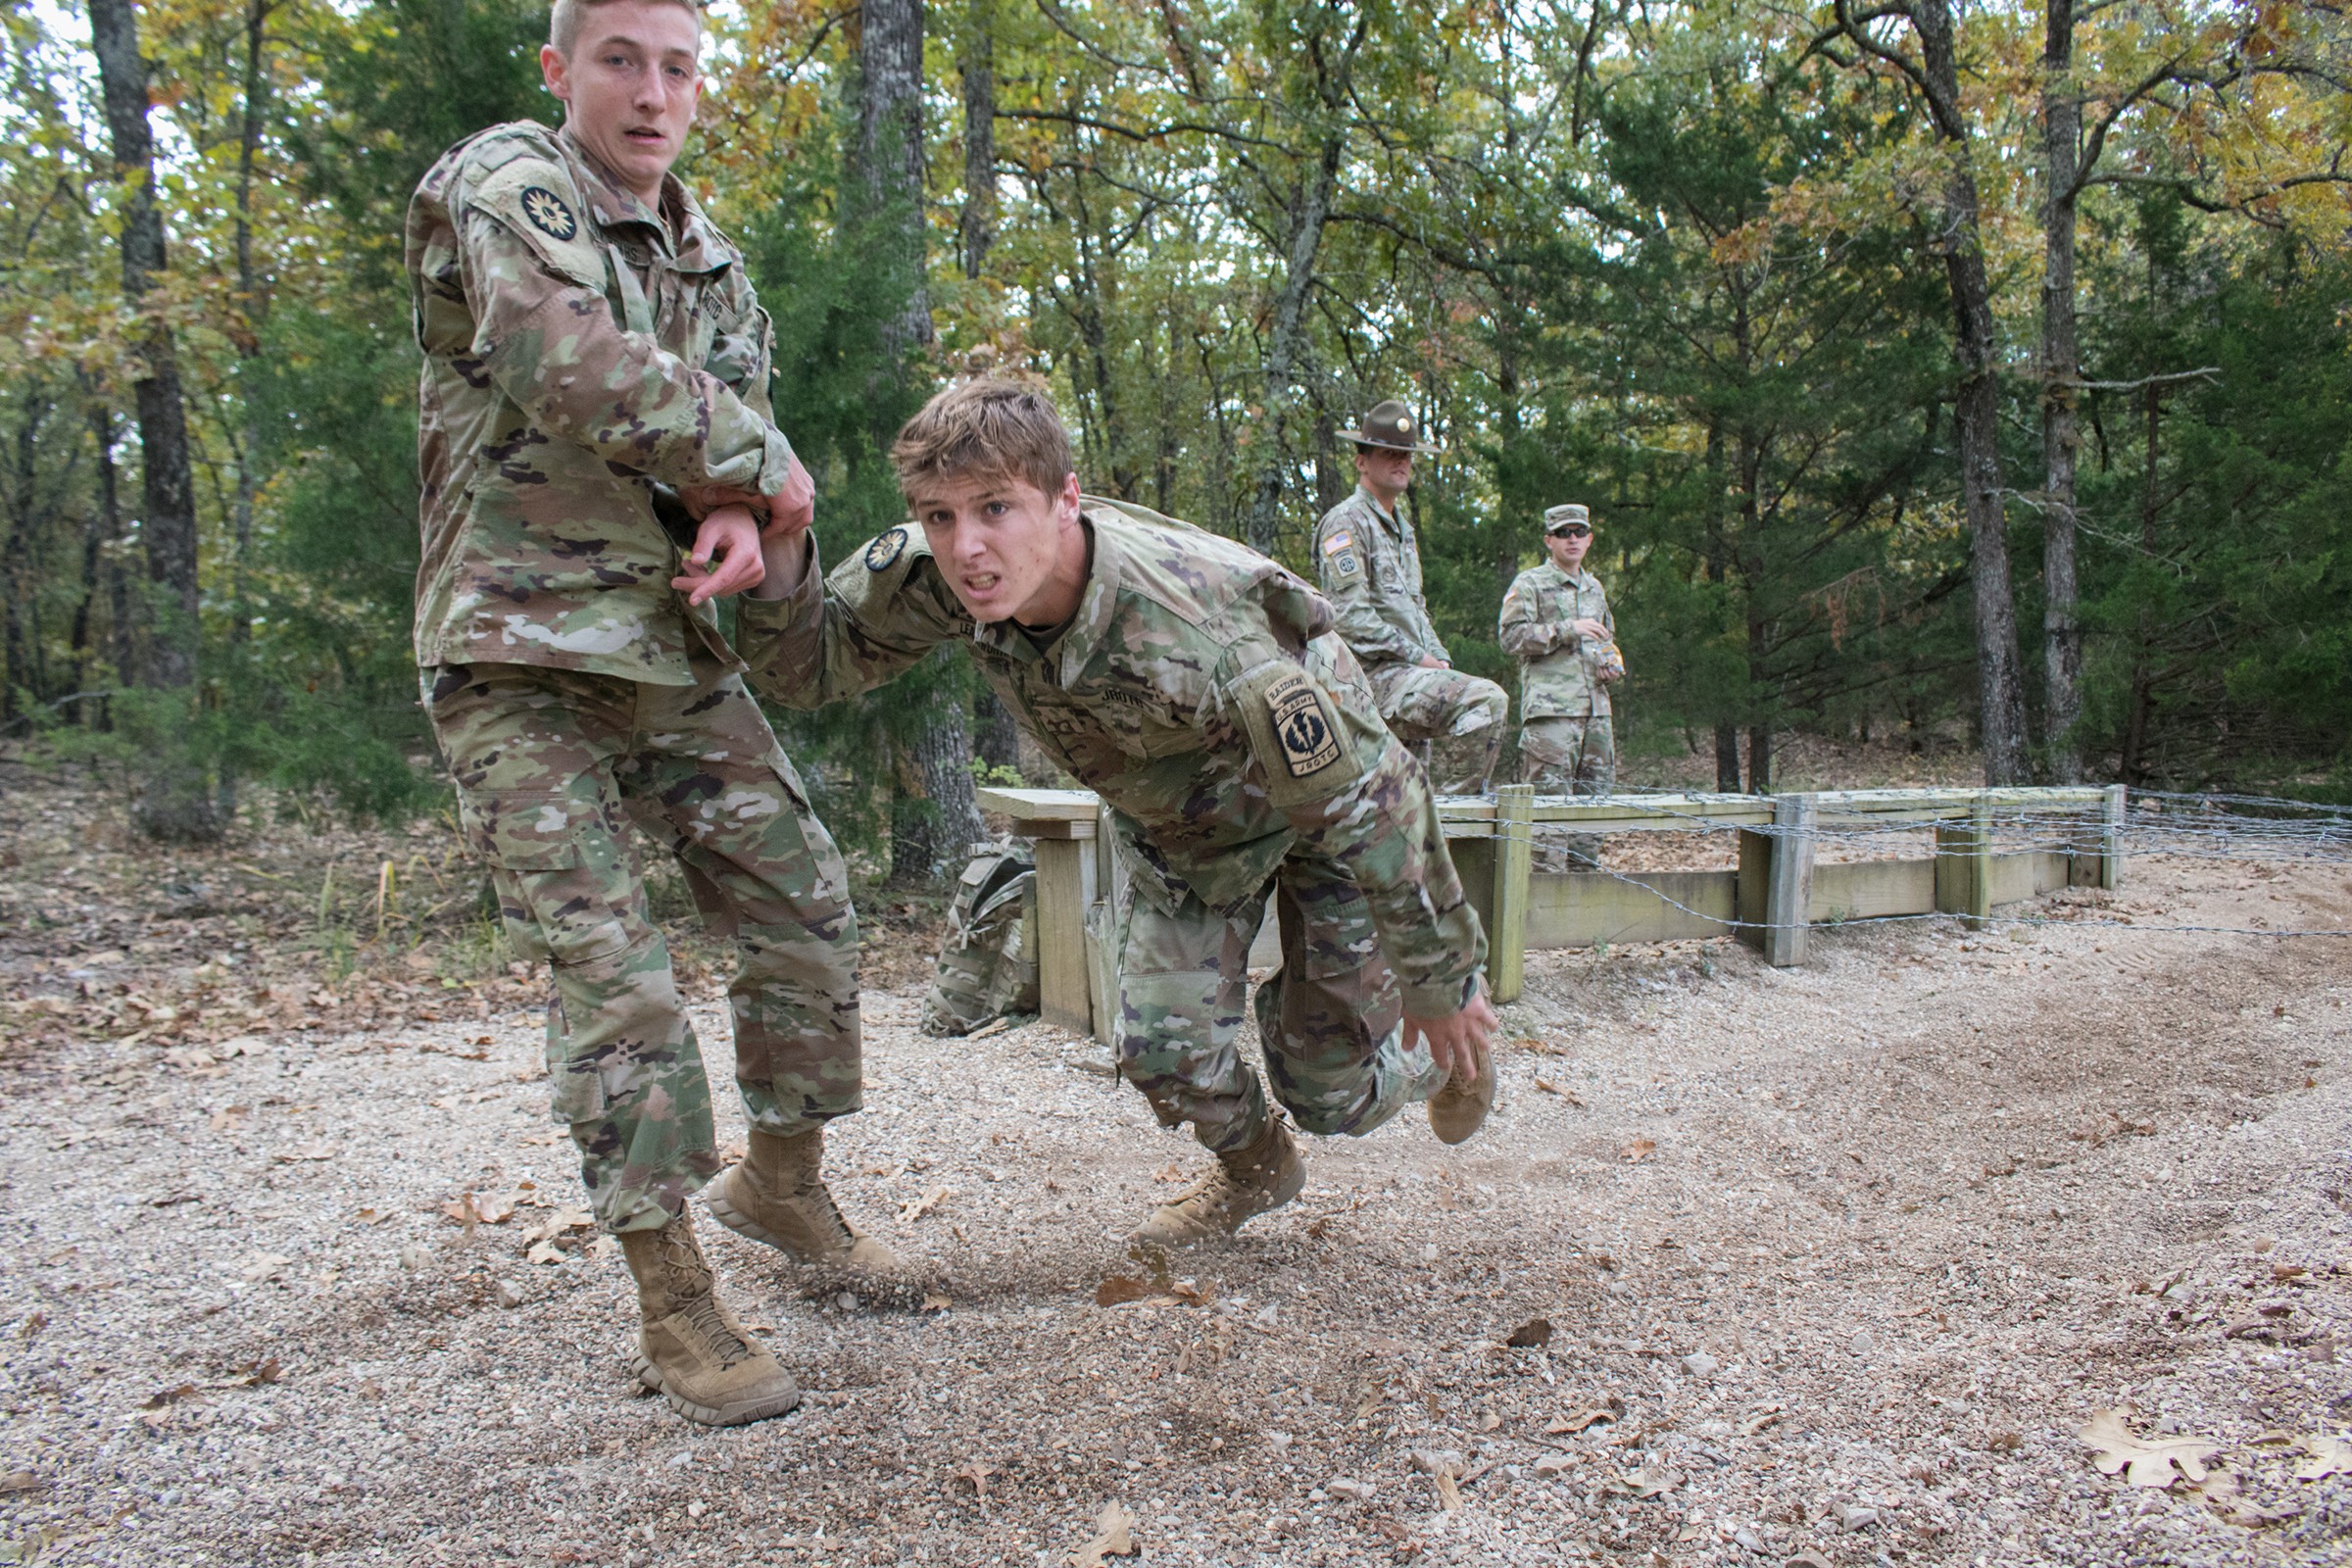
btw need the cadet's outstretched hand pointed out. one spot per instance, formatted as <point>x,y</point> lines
<point>726,556</point>
<point>1456,1041</point>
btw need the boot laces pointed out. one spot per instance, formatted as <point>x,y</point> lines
<point>827,1213</point>
<point>703,1314</point>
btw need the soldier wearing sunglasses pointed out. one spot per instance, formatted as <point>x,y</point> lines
<point>1556,622</point>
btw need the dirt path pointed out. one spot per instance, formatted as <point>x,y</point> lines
<point>1846,1253</point>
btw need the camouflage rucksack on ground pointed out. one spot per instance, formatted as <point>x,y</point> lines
<point>986,968</point>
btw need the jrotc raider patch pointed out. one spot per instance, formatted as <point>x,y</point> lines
<point>549,213</point>
<point>885,549</point>
<point>1308,744</point>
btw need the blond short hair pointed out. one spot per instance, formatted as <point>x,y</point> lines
<point>996,426</point>
<point>565,18</point>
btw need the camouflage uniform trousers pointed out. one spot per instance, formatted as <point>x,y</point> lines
<point>1330,1023</point>
<point>1565,755</point>
<point>547,763</point>
<point>1459,716</point>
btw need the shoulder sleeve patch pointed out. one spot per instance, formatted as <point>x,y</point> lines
<point>534,199</point>
<point>884,549</point>
<point>1295,734</point>
<point>1337,540</point>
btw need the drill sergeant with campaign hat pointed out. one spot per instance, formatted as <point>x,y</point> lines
<point>1370,564</point>
<point>1556,622</point>
<point>589,338</point>
<point>1194,685</point>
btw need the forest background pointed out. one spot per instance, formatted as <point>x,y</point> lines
<point>1979,375</point>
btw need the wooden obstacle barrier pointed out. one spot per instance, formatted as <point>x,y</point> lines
<point>1779,891</point>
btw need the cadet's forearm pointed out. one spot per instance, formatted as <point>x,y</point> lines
<point>553,348</point>
<point>808,648</point>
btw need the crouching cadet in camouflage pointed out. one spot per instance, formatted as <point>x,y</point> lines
<point>587,335</point>
<point>1371,568</point>
<point>1194,684</point>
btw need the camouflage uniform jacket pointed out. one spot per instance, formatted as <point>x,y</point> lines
<point>576,346</point>
<point>1556,665</point>
<point>1371,570</point>
<point>1196,691</point>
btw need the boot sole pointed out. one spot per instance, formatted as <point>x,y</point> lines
<point>712,1415</point>
<point>1289,1191</point>
<point>715,1199</point>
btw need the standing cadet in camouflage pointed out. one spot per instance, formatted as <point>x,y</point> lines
<point>1556,622</point>
<point>1191,683</point>
<point>587,333</point>
<point>1371,568</point>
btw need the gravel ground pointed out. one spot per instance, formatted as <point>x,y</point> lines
<point>1834,1260</point>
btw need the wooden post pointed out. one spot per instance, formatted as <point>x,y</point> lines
<point>1515,858</point>
<point>2097,861</point>
<point>1065,890</point>
<point>1964,866</point>
<point>1102,931</point>
<point>1788,888</point>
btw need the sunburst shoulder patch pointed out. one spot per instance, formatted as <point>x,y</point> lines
<point>885,549</point>
<point>549,213</point>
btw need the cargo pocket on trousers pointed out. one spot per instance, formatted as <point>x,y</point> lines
<point>823,887</point>
<point>1339,936</point>
<point>562,891</point>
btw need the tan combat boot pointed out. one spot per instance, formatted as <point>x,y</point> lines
<point>1263,1175</point>
<point>1458,1108</point>
<point>689,1349</point>
<point>777,1195</point>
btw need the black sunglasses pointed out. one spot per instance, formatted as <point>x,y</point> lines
<point>1573,530</point>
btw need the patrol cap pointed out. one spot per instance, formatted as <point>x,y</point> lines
<point>1390,424</point>
<point>1557,518</point>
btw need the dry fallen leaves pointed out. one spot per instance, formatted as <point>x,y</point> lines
<point>1122,1290</point>
<point>2145,1462</point>
<point>1640,1149</point>
<point>2329,1456</point>
<point>1114,1537</point>
<point>1561,1089</point>
<point>1530,1334</point>
<point>915,1208</point>
<point>1608,1409</point>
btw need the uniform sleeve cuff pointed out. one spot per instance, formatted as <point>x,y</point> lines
<point>775,462</point>
<point>775,617</point>
<point>1437,999</point>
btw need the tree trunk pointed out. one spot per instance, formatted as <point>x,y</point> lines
<point>976,225</point>
<point>1717,570</point>
<point>2141,708</point>
<point>2001,687</point>
<point>890,152</point>
<point>933,817</point>
<point>253,308</point>
<point>2061,368</point>
<point>174,804</point>
<point>1310,209</point>
<point>122,628</point>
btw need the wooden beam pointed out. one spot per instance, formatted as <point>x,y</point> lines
<point>1514,859</point>
<point>1580,909</point>
<point>1065,890</point>
<point>1964,866</point>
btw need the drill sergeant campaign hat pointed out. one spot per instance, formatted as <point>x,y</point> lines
<point>1557,518</point>
<point>1390,424</point>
